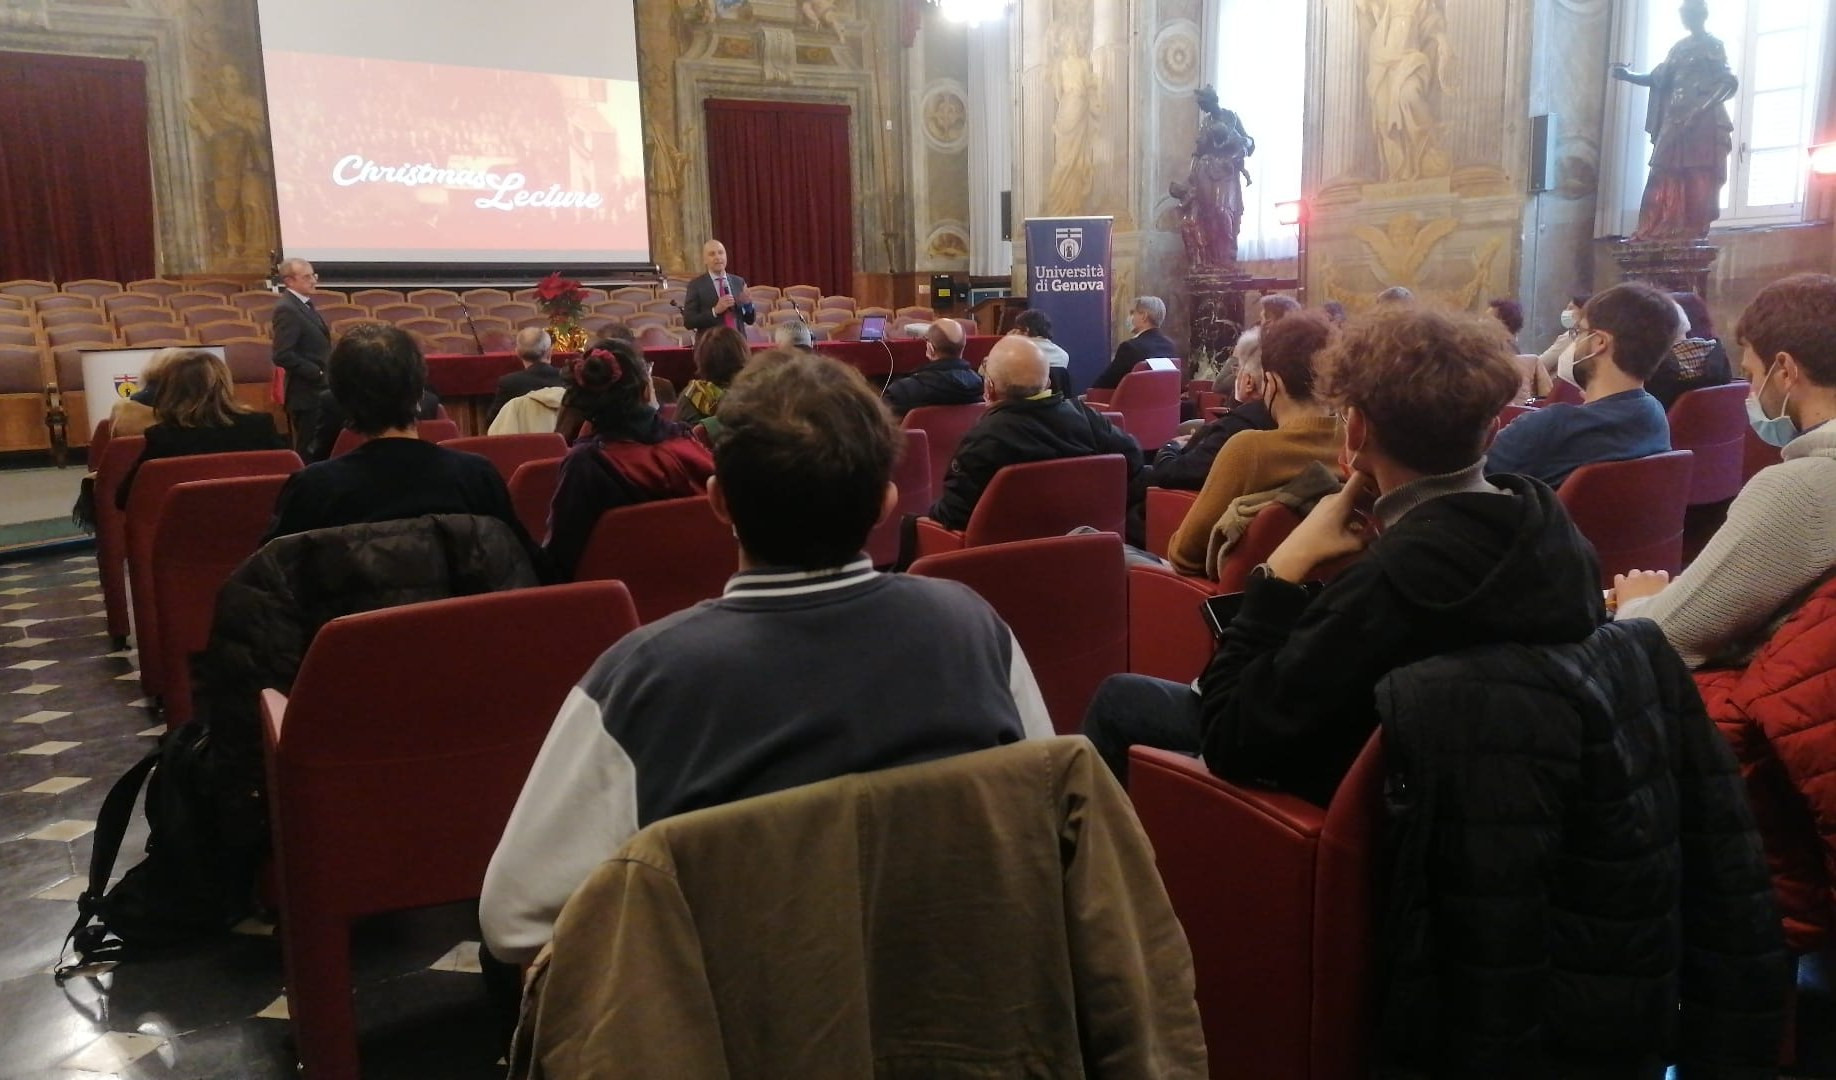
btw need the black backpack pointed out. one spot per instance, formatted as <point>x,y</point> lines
<point>209,834</point>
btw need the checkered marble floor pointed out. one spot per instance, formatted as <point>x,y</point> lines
<point>72,720</point>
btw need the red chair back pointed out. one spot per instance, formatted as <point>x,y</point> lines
<point>1066,600</point>
<point>1756,454</point>
<point>1150,401</point>
<point>511,452</point>
<point>111,464</point>
<point>1167,634</point>
<point>1266,531</point>
<point>386,793</point>
<point>1050,498</point>
<point>912,476</point>
<point>1567,393</point>
<point>155,479</point>
<point>1276,898</point>
<point>204,530</point>
<point>1512,412</point>
<point>671,554</point>
<point>532,492</point>
<point>437,431</point>
<point>1711,423</point>
<point>347,441</point>
<point>1632,511</point>
<point>1166,510</point>
<point>944,426</point>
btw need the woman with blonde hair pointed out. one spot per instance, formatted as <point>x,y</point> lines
<point>195,411</point>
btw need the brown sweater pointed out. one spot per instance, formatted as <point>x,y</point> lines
<point>1253,461</point>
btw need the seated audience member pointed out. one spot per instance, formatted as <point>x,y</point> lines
<point>1184,463</point>
<point>332,420</point>
<point>1536,382</point>
<point>632,456</point>
<point>720,353</point>
<point>377,377</point>
<point>764,688</point>
<point>1334,311</point>
<point>1697,361</point>
<point>569,420</point>
<point>1461,561</point>
<point>533,348</point>
<point>793,335</point>
<point>195,412</point>
<point>1625,333</point>
<point>1395,294</point>
<point>945,379</point>
<point>1038,326</point>
<point>1565,341</point>
<point>1258,461</point>
<point>1026,421</point>
<point>1779,541</point>
<point>1269,310</point>
<point>1145,342</point>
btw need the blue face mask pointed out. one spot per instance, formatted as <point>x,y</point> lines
<point>1772,430</point>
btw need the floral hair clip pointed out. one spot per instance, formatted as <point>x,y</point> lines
<point>610,359</point>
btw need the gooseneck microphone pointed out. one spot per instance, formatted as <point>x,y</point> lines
<point>470,325</point>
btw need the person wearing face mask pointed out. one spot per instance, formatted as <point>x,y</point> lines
<point>1462,560</point>
<point>1256,461</point>
<point>1779,540</point>
<point>1564,341</point>
<point>1625,333</point>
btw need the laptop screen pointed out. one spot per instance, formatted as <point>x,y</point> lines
<point>873,328</point>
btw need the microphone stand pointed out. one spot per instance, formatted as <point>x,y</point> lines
<point>476,340</point>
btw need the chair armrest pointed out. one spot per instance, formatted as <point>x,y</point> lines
<point>931,538</point>
<point>1167,635</point>
<point>1094,398</point>
<point>273,715</point>
<point>1166,509</point>
<point>1275,809</point>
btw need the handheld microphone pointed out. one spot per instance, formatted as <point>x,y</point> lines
<point>476,340</point>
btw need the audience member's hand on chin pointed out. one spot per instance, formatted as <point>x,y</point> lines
<point>1336,528</point>
<point>1639,584</point>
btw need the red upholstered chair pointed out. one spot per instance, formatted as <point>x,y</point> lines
<point>390,793</point>
<point>1266,531</point>
<point>151,485</point>
<point>1567,393</point>
<point>1632,511</point>
<point>510,452</point>
<point>1166,508</point>
<point>112,462</point>
<point>1756,454</point>
<point>532,492</point>
<point>1150,401</point>
<point>671,554</point>
<point>1711,423</point>
<point>1167,635</point>
<point>944,427</point>
<point>1037,499</point>
<point>437,431</point>
<point>346,441</point>
<point>1276,897</point>
<point>1512,412</point>
<point>1117,420</point>
<point>912,476</point>
<point>204,530</point>
<point>1066,600</point>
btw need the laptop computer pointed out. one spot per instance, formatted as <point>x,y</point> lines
<point>873,328</point>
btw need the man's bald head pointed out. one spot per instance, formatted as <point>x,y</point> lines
<point>533,344</point>
<point>945,337</point>
<point>1015,369</point>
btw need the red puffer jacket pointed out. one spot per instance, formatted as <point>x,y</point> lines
<point>1779,714</point>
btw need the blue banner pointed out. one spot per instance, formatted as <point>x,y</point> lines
<point>1068,278</point>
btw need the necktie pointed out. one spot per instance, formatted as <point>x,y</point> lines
<point>721,288</point>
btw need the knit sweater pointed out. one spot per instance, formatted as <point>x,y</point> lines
<point>1252,461</point>
<point>1778,543</point>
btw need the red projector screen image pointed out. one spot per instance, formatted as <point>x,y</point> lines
<point>385,160</point>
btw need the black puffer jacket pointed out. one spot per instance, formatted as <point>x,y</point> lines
<point>1576,886</point>
<point>940,382</point>
<point>272,606</point>
<point>1045,428</point>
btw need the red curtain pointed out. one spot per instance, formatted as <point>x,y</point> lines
<point>76,179</point>
<point>782,192</point>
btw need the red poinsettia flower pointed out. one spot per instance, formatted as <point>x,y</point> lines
<point>560,298</point>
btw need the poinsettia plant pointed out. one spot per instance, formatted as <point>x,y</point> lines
<point>563,300</point>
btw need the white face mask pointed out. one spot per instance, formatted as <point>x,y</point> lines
<point>1569,319</point>
<point>1565,365</point>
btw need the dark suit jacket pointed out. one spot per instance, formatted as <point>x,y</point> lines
<point>302,344</point>
<point>518,383</point>
<point>332,418</point>
<point>1147,345</point>
<point>698,307</point>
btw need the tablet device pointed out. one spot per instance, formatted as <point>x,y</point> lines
<point>873,328</point>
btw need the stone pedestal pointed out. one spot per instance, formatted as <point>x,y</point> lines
<point>1216,297</point>
<point>1676,266</point>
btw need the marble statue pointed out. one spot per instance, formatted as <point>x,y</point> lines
<point>1211,198</point>
<point>1078,110</point>
<point>1691,134</point>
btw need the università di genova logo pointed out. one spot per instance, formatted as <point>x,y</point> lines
<point>1070,243</point>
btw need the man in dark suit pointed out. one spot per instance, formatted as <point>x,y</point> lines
<point>1147,342</point>
<point>533,346</point>
<point>302,345</point>
<point>717,298</point>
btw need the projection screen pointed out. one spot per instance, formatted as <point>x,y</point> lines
<point>455,131</point>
